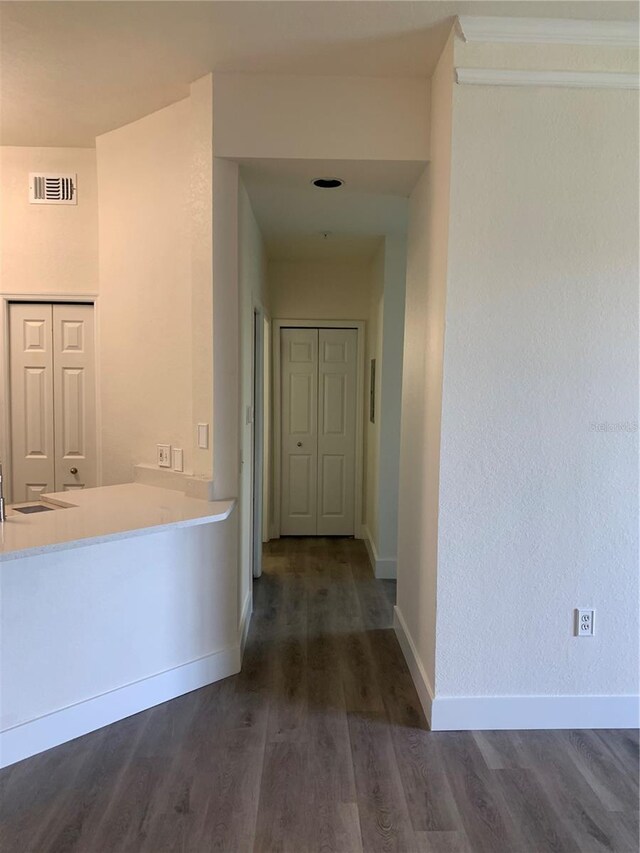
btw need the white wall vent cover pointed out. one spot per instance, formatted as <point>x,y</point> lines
<point>47,188</point>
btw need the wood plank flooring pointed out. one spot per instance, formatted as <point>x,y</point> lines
<point>320,744</point>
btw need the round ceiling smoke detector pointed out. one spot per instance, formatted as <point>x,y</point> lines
<point>327,183</point>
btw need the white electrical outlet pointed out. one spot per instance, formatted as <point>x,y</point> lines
<point>163,455</point>
<point>584,622</point>
<point>178,459</point>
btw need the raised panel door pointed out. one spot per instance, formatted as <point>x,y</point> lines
<point>299,420</point>
<point>31,377</point>
<point>74,397</point>
<point>337,360</point>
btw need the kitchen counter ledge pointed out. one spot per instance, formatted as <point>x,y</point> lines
<point>103,514</point>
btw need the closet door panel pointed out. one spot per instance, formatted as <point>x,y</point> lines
<point>299,425</point>
<point>31,378</point>
<point>337,361</point>
<point>74,397</point>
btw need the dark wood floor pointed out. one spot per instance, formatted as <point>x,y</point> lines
<point>320,745</point>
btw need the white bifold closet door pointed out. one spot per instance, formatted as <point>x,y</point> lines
<point>318,422</point>
<point>53,421</point>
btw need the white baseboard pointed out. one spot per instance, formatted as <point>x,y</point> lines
<point>464,713</point>
<point>384,568</point>
<point>366,536</point>
<point>458,713</point>
<point>245,622</point>
<point>68,723</point>
<point>418,674</point>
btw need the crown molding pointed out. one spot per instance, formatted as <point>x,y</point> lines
<point>549,31</point>
<point>564,79</point>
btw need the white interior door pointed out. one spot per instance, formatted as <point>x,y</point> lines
<point>318,423</point>
<point>74,396</point>
<point>337,357</point>
<point>31,375</point>
<point>53,420</point>
<point>299,480</point>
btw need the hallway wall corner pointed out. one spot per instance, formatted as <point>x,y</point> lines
<point>384,568</point>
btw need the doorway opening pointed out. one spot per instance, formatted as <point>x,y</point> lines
<point>318,439</point>
<point>327,269</point>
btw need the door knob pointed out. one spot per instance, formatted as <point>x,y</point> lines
<point>73,470</point>
<point>299,444</point>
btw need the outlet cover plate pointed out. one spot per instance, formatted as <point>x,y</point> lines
<point>163,455</point>
<point>585,622</point>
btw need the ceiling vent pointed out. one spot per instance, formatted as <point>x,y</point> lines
<point>47,188</point>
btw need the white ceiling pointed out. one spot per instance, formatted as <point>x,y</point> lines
<point>73,70</point>
<point>293,215</point>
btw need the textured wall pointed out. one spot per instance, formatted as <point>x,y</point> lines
<point>370,118</point>
<point>390,400</point>
<point>319,290</point>
<point>253,291</point>
<point>201,216</point>
<point>48,248</point>
<point>538,511</point>
<point>145,284</point>
<point>422,376</point>
<point>375,326</point>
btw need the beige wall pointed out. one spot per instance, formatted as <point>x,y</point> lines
<point>227,375</point>
<point>389,404</point>
<point>422,377</point>
<point>145,283</point>
<point>201,223</point>
<point>372,430</point>
<point>519,427</point>
<point>253,293</point>
<point>319,290</point>
<point>317,117</point>
<point>536,503</point>
<point>48,248</point>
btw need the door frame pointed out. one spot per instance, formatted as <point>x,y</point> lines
<point>6,299</point>
<point>277,326</point>
<point>257,440</point>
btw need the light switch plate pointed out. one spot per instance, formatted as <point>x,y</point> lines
<point>203,436</point>
<point>178,459</point>
<point>163,455</point>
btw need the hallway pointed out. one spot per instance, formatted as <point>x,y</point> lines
<point>320,744</point>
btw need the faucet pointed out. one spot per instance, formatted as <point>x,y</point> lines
<point>3,511</point>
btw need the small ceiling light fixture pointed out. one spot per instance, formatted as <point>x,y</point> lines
<point>327,183</point>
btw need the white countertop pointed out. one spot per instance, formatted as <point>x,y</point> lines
<point>102,515</point>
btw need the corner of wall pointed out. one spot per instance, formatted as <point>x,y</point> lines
<point>201,204</point>
<point>419,675</point>
<point>384,568</point>
<point>423,359</point>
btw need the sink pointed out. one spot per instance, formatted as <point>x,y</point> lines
<point>32,508</point>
